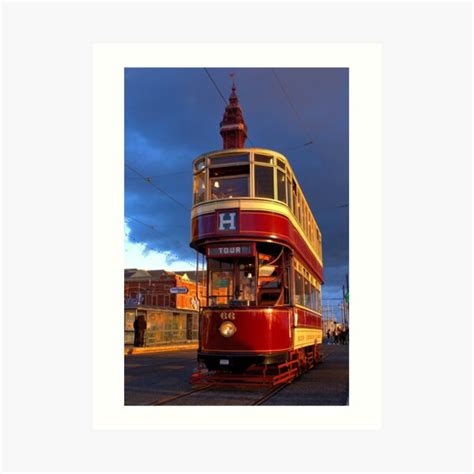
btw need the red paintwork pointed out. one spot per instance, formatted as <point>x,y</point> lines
<point>308,319</point>
<point>254,225</point>
<point>258,330</point>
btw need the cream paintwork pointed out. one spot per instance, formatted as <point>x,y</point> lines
<point>306,337</point>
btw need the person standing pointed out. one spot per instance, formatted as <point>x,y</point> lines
<point>140,326</point>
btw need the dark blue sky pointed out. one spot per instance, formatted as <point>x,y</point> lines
<point>173,115</point>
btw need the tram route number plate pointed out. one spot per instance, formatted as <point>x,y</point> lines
<point>224,362</point>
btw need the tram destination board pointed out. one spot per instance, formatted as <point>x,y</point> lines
<point>247,250</point>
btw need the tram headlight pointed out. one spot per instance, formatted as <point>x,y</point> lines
<point>227,329</point>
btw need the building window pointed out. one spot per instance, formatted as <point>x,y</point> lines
<point>264,181</point>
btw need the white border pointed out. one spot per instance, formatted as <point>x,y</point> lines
<point>365,63</point>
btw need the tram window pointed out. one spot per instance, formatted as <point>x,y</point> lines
<point>264,181</point>
<point>229,159</point>
<point>272,282</point>
<point>307,293</point>
<point>288,193</point>
<point>232,282</point>
<point>264,159</point>
<point>299,213</point>
<point>229,181</point>
<point>294,201</point>
<point>200,164</point>
<point>281,186</point>
<point>221,281</point>
<point>281,163</point>
<point>245,283</point>
<point>298,288</point>
<point>314,301</point>
<point>200,187</point>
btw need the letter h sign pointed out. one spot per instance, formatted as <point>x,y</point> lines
<point>227,221</point>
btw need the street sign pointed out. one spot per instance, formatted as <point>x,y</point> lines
<point>179,289</point>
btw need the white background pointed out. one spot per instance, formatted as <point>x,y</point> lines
<point>365,93</point>
<point>48,245</point>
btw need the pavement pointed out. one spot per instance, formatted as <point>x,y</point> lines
<point>144,350</point>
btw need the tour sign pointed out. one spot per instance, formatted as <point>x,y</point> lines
<point>179,289</point>
<point>231,250</point>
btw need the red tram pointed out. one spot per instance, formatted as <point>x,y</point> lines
<point>261,318</point>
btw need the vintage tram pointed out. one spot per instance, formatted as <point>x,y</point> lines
<point>262,253</point>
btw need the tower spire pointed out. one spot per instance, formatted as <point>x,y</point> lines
<point>233,128</point>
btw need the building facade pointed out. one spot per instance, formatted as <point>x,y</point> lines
<point>170,318</point>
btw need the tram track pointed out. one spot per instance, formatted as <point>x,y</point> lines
<point>180,395</point>
<point>273,391</point>
<point>142,371</point>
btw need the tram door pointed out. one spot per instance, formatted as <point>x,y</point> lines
<point>189,327</point>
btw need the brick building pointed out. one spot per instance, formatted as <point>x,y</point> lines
<point>171,318</point>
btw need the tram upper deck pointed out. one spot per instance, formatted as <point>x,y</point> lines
<point>253,179</point>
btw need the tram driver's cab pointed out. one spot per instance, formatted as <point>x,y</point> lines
<point>260,279</point>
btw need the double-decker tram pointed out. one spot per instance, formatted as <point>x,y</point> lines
<point>260,320</point>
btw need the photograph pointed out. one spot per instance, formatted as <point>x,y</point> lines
<point>236,278</point>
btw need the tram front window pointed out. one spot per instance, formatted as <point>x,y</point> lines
<point>231,282</point>
<point>229,182</point>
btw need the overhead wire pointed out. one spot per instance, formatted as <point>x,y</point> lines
<point>155,230</point>
<point>295,111</point>
<point>149,181</point>
<point>160,175</point>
